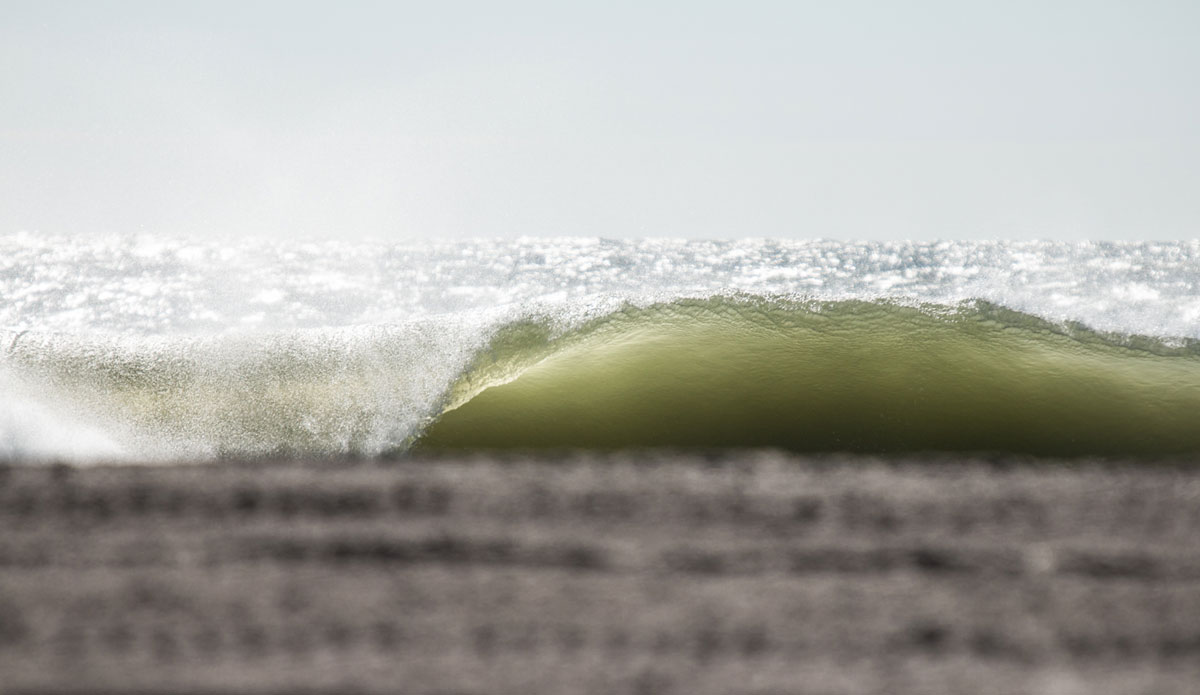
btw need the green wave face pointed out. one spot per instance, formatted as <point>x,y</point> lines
<point>835,376</point>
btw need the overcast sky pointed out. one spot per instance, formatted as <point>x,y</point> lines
<point>845,119</point>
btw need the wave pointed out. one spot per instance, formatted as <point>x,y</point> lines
<point>867,376</point>
<point>739,370</point>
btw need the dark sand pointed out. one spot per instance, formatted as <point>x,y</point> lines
<point>745,573</point>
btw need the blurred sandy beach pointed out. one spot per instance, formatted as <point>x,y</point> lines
<point>740,572</point>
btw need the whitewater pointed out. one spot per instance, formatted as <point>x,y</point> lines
<point>139,348</point>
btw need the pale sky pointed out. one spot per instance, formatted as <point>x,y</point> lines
<point>863,119</point>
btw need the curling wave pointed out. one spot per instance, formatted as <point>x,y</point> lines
<point>719,371</point>
<point>872,376</point>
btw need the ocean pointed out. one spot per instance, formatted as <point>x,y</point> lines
<point>139,348</point>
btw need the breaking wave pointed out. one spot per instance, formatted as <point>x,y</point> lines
<point>719,371</point>
<point>828,376</point>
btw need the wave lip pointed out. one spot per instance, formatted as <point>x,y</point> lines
<point>810,376</point>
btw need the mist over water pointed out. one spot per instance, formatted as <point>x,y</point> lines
<point>139,348</point>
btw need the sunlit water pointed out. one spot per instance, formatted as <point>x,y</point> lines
<point>139,348</point>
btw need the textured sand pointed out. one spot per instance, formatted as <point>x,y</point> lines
<point>648,573</point>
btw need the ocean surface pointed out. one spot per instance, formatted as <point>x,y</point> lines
<point>138,348</point>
